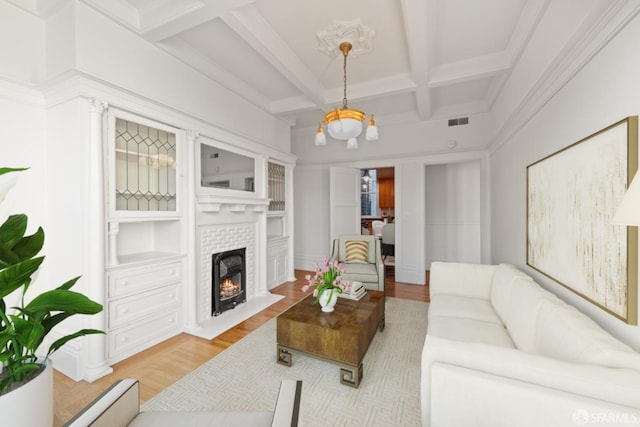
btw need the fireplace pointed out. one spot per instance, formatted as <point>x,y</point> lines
<point>229,277</point>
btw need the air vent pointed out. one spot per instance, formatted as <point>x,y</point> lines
<point>459,121</point>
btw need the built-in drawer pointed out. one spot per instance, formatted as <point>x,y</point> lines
<point>128,281</point>
<point>126,310</point>
<point>124,342</point>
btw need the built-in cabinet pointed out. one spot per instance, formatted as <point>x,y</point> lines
<point>146,234</point>
<point>278,221</point>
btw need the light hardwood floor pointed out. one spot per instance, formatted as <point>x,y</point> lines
<point>161,365</point>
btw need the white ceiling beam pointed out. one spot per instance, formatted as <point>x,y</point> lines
<point>419,31</point>
<point>186,53</point>
<point>523,31</point>
<point>469,69</point>
<point>120,11</point>
<point>249,24</point>
<point>398,84</point>
<point>292,105</point>
<point>169,19</point>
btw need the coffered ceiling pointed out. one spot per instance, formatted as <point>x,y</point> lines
<point>420,59</point>
<point>428,58</point>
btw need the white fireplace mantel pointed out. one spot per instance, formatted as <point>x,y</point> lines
<point>216,203</point>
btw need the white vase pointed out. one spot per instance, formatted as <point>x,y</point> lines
<point>328,299</point>
<point>32,403</point>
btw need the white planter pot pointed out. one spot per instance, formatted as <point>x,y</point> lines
<point>30,405</point>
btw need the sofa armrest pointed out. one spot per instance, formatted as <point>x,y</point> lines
<point>117,406</point>
<point>614,385</point>
<point>287,409</point>
<point>461,279</point>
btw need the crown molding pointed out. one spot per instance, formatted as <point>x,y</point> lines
<point>595,33</point>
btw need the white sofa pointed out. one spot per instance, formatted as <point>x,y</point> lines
<point>502,351</point>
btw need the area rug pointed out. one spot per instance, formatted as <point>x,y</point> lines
<point>246,377</point>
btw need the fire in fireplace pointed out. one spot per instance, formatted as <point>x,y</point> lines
<point>228,284</point>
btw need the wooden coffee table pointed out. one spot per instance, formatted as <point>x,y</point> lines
<point>341,337</point>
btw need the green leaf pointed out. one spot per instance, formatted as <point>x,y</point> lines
<point>69,284</point>
<point>29,246</point>
<point>50,322</point>
<point>7,170</point>
<point>13,230</point>
<point>28,332</point>
<point>11,278</point>
<point>62,341</point>
<point>62,300</point>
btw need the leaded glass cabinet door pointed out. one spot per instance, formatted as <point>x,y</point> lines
<point>144,167</point>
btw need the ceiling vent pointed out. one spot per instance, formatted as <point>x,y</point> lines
<point>459,121</point>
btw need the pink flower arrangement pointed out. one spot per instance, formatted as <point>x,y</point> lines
<point>327,277</point>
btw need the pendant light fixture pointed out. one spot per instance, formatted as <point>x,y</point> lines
<point>346,123</point>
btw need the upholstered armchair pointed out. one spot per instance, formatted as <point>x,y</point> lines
<point>119,406</point>
<point>362,259</point>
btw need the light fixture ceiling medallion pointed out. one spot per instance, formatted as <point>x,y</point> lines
<point>345,123</point>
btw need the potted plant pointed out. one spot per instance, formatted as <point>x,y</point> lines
<point>24,326</point>
<point>327,283</point>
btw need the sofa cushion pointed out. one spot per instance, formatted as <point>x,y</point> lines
<point>469,280</point>
<point>501,286</point>
<point>469,330</point>
<point>463,307</point>
<point>521,319</point>
<point>356,251</point>
<point>361,272</point>
<point>565,333</point>
<point>371,246</point>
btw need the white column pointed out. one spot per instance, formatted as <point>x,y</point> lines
<point>96,344</point>
<point>191,277</point>
<point>260,278</point>
<point>288,218</point>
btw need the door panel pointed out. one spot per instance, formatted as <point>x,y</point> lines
<point>344,201</point>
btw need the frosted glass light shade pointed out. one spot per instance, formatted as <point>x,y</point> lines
<point>321,139</point>
<point>372,133</point>
<point>352,144</point>
<point>344,128</point>
<point>628,212</point>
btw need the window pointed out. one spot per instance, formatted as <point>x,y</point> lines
<point>368,192</point>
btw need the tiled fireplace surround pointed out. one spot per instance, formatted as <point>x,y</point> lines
<point>219,238</point>
<point>224,230</point>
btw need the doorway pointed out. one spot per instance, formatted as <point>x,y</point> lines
<point>377,208</point>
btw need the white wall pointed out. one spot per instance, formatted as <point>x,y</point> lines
<point>453,212</point>
<point>311,220</point>
<point>602,92</point>
<point>397,141</point>
<point>22,144</point>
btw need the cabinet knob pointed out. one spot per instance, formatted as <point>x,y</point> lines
<point>171,295</point>
<point>125,283</point>
<point>124,310</point>
<point>124,339</point>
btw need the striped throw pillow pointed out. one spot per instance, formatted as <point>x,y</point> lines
<point>356,251</point>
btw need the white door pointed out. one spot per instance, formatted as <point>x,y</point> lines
<point>344,201</point>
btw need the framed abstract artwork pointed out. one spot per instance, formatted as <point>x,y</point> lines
<point>572,195</point>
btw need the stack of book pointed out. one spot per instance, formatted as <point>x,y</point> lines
<point>357,291</point>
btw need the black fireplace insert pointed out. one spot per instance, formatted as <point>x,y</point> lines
<point>229,279</point>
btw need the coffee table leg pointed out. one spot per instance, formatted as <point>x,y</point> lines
<point>381,324</point>
<point>351,377</point>
<point>284,356</point>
